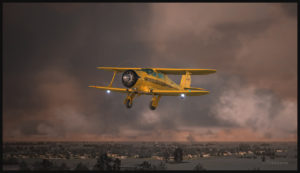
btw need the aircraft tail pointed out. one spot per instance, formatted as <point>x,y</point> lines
<point>186,80</point>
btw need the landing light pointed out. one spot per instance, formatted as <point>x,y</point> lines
<point>107,91</point>
<point>182,96</point>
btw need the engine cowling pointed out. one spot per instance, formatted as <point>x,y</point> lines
<point>129,78</point>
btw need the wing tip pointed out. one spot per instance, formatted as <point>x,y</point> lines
<point>212,71</point>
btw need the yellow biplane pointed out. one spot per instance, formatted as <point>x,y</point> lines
<point>155,82</point>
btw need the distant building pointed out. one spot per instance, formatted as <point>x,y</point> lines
<point>242,153</point>
<point>189,156</point>
<point>206,155</point>
<point>157,157</point>
<point>227,153</point>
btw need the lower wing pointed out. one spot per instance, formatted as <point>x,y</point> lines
<point>179,92</point>
<point>156,92</point>
<point>122,90</point>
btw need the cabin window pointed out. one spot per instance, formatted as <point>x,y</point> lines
<point>160,75</point>
<point>148,71</point>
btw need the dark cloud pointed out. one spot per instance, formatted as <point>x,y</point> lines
<point>290,9</point>
<point>51,58</point>
<point>253,46</point>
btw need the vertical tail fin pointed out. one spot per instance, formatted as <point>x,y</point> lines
<point>186,80</point>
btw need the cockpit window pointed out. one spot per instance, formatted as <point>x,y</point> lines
<point>160,75</point>
<point>148,71</point>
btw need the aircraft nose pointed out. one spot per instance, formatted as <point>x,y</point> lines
<point>127,77</point>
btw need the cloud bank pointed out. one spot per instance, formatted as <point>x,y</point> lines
<point>51,51</point>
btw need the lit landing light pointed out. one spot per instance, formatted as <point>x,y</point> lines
<point>108,91</point>
<point>182,96</point>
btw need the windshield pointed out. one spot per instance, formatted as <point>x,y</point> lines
<point>147,70</point>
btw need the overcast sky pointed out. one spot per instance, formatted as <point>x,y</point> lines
<point>51,51</point>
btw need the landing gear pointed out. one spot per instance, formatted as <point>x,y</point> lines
<point>154,102</point>
<point>151,106</point>
<point>130,96</point>
<point>128,103</point>
<point>128,100</point>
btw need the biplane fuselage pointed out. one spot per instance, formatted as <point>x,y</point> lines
<point>151,79</point>
<point>155,82</point>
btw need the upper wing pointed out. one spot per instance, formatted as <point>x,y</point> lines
<point>122,90</point>
<point>175,71</point>
<point>179,92</point>
<point>182,71</point>
<point>118,69</point>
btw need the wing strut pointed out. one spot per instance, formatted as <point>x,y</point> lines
<point>113,78</point>
<point>186,80</point>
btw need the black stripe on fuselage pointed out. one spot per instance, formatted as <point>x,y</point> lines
<point>158,82</point>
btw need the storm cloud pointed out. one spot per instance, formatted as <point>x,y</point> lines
<point>51,51</point>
